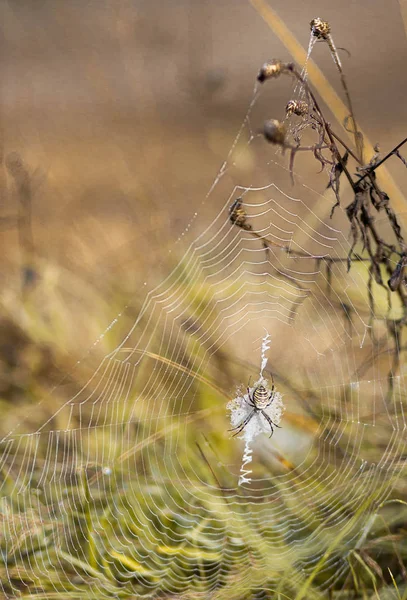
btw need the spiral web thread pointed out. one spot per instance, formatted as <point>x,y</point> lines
<point>140,492</point>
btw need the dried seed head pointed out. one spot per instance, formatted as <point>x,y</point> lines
<point>274,131</point>
<point>270,69</point>
<point>238,216</point>
<point>320,29</point>
<point>296,107</point>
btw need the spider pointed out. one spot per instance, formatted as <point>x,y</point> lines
<point>259,400</point>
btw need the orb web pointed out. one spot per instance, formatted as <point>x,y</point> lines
<point>140,492</point>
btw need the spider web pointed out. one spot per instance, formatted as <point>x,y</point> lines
<point>139,493</point>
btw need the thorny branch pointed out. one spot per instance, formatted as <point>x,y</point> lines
<point>369,199</point>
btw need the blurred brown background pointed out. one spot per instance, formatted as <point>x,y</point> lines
<point>120,113</point>
<point>127,108</point>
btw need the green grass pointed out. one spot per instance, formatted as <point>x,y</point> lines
<point>153,527</point>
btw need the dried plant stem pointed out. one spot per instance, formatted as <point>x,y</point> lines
<point>331,99</point>
<point>357,135</point>
<point>378,164</point>
<point>403,10</point>
<point>23,190</point>
<point>338,139</point>
<point>367,192</point>
<point>340,160</point>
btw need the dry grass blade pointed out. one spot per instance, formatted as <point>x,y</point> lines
<point>403,10</point>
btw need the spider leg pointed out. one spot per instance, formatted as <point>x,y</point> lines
<point>242,424</point>
<point>251,403</point>
<point>272,381</point>
<point>270,398</point>
<point>245,420</point>
<point>270,422</point>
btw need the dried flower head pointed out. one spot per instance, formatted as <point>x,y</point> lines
<point>296,107</point>
<point>274,131</point>
<point>238,216</point>
<point>270,69</point>
<point>320,29</point>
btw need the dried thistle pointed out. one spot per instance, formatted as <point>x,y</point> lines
<point>297,107</point>
<point>275,132</point>
<point>271,69</point>
<point>320,29</point>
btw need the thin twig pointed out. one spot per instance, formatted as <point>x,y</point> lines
<point>373,168</point>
